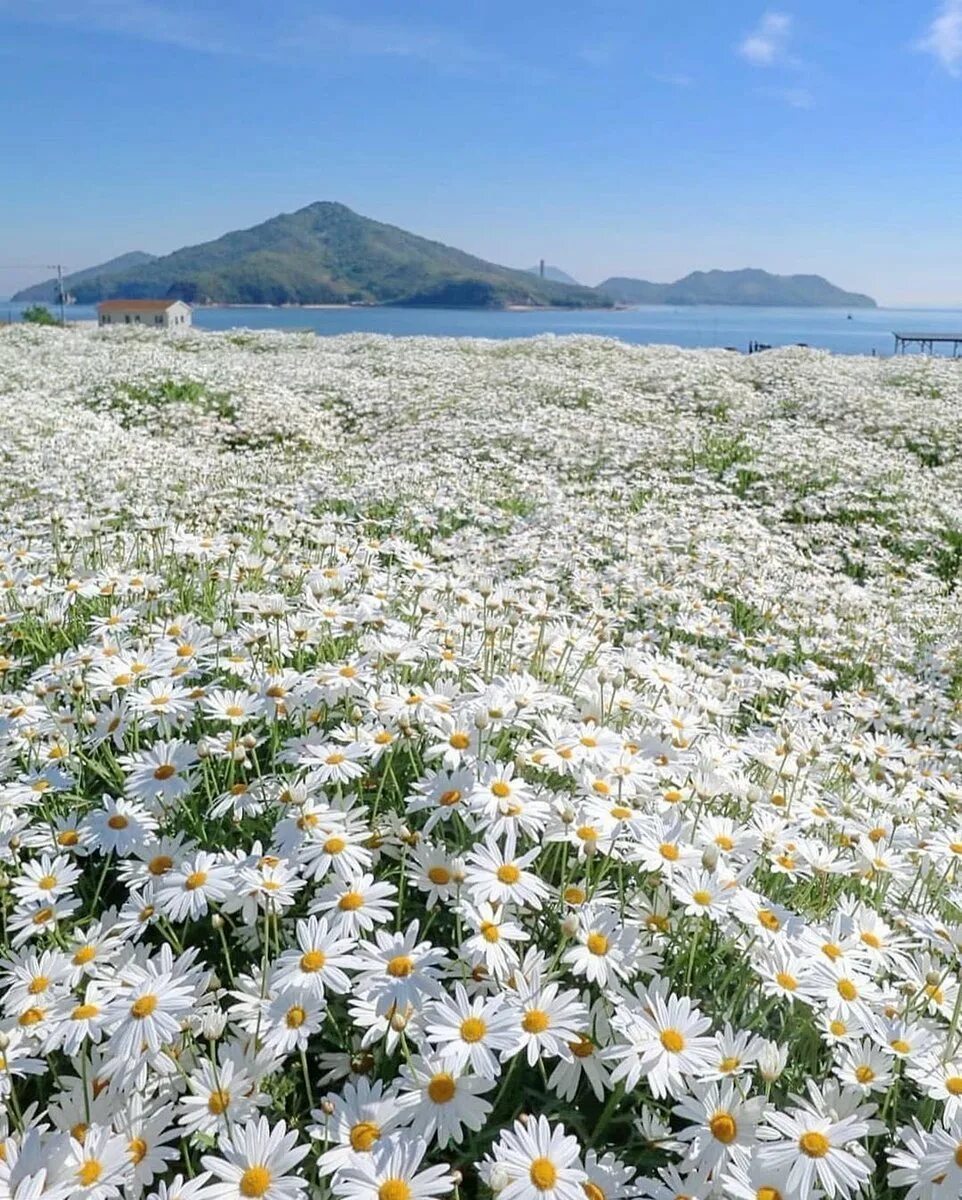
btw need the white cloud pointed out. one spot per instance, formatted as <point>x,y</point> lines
<point>943,38</point>
<point>767,44</point>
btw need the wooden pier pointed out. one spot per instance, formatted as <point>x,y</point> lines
<point>927,342</point>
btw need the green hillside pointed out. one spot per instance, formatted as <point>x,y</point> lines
<point>749,286</point>
<point>327,254</point>
<point>46,292</point>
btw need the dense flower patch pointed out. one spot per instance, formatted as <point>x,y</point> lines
<point>524,769</point>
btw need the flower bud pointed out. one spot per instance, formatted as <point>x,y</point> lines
<point>499,1179</point>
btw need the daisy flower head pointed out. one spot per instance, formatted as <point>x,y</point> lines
<point>538,1161</point>
<point>254,1163</point>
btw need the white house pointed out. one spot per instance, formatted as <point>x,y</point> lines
<point>158,314</point>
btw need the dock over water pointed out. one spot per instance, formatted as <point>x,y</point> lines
<point>927,342</point>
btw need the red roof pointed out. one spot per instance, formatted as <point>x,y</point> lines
<point>136,305</point>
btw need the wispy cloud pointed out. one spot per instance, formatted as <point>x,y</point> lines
<point>794,97</point>
<point>442,48</point>
<point>144,20</point>
<point>672,80</point>
<point>943,37</point>
<point>277,38</point>
<point>767,44</point>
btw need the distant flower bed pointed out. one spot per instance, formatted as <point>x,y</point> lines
<point>438,768</point>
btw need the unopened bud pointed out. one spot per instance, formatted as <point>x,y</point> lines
<point>328,1108</point>
<point>399,1022</point>
<point>218,629</point>
<point>570,925</point>
<point>217,921</point>
<point>499,1179</point>
<point>709,857</point>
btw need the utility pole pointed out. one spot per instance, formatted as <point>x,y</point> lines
<point>59,269</point>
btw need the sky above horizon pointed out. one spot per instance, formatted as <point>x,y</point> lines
<point>626,137</point>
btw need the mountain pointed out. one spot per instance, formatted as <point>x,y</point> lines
<point>46,292</point>
<point>737,287</point>
<point>327,254</point>
<point>555,274</point>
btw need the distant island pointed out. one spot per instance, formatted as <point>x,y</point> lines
<point>328,254</point>
<point>325,254</point>
<point>747,287</point>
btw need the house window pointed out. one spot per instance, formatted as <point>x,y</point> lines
<point>158,320</point>
<point>126,318</point>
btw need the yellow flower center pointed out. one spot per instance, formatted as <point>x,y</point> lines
<point>394,1189</point>
<point>900,1045</point>
<point>672,1040</point>
<point>788,982</point>
<point>442,1087</point>
<point>768,919</point>
<point>83,1012</point>
<point>334,845</point>
<point>137,1148</point>
<point>535,1020</point>
<point>669,851</point>
<point>953,1085</point>
<point>89,1172</point>
<point>846,989</point>
<point>439,875</point>
<point>218,1102</point>
<point>313,961</point>
<point>363,1135</point>
<point>814,1144</point>
<point>508,873</point>
<point>584,1047</point>
<point>160,864</point>
<point>473,1029</point>
<point>460,741</point>
<point>350,902</point>
<point>164,771</point>
<point>38,984</point>
<point>143,1006</point>
<point>543,1174</point>
<point>723,1128</point>
<point>500,789</point>
<point>195,880</point>
<point>254,1182</point>
<point>295,1017</point>
<point>84,955</point>
<point>865,1074</point>
<point>701,897</point>
<point>597,943</point>
<point>400,966</point>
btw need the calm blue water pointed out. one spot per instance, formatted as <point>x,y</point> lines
<point>869,330</point>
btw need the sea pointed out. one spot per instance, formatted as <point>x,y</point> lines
<point>858,331</point>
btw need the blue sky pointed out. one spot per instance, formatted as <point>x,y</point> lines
<point>635,137</point>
